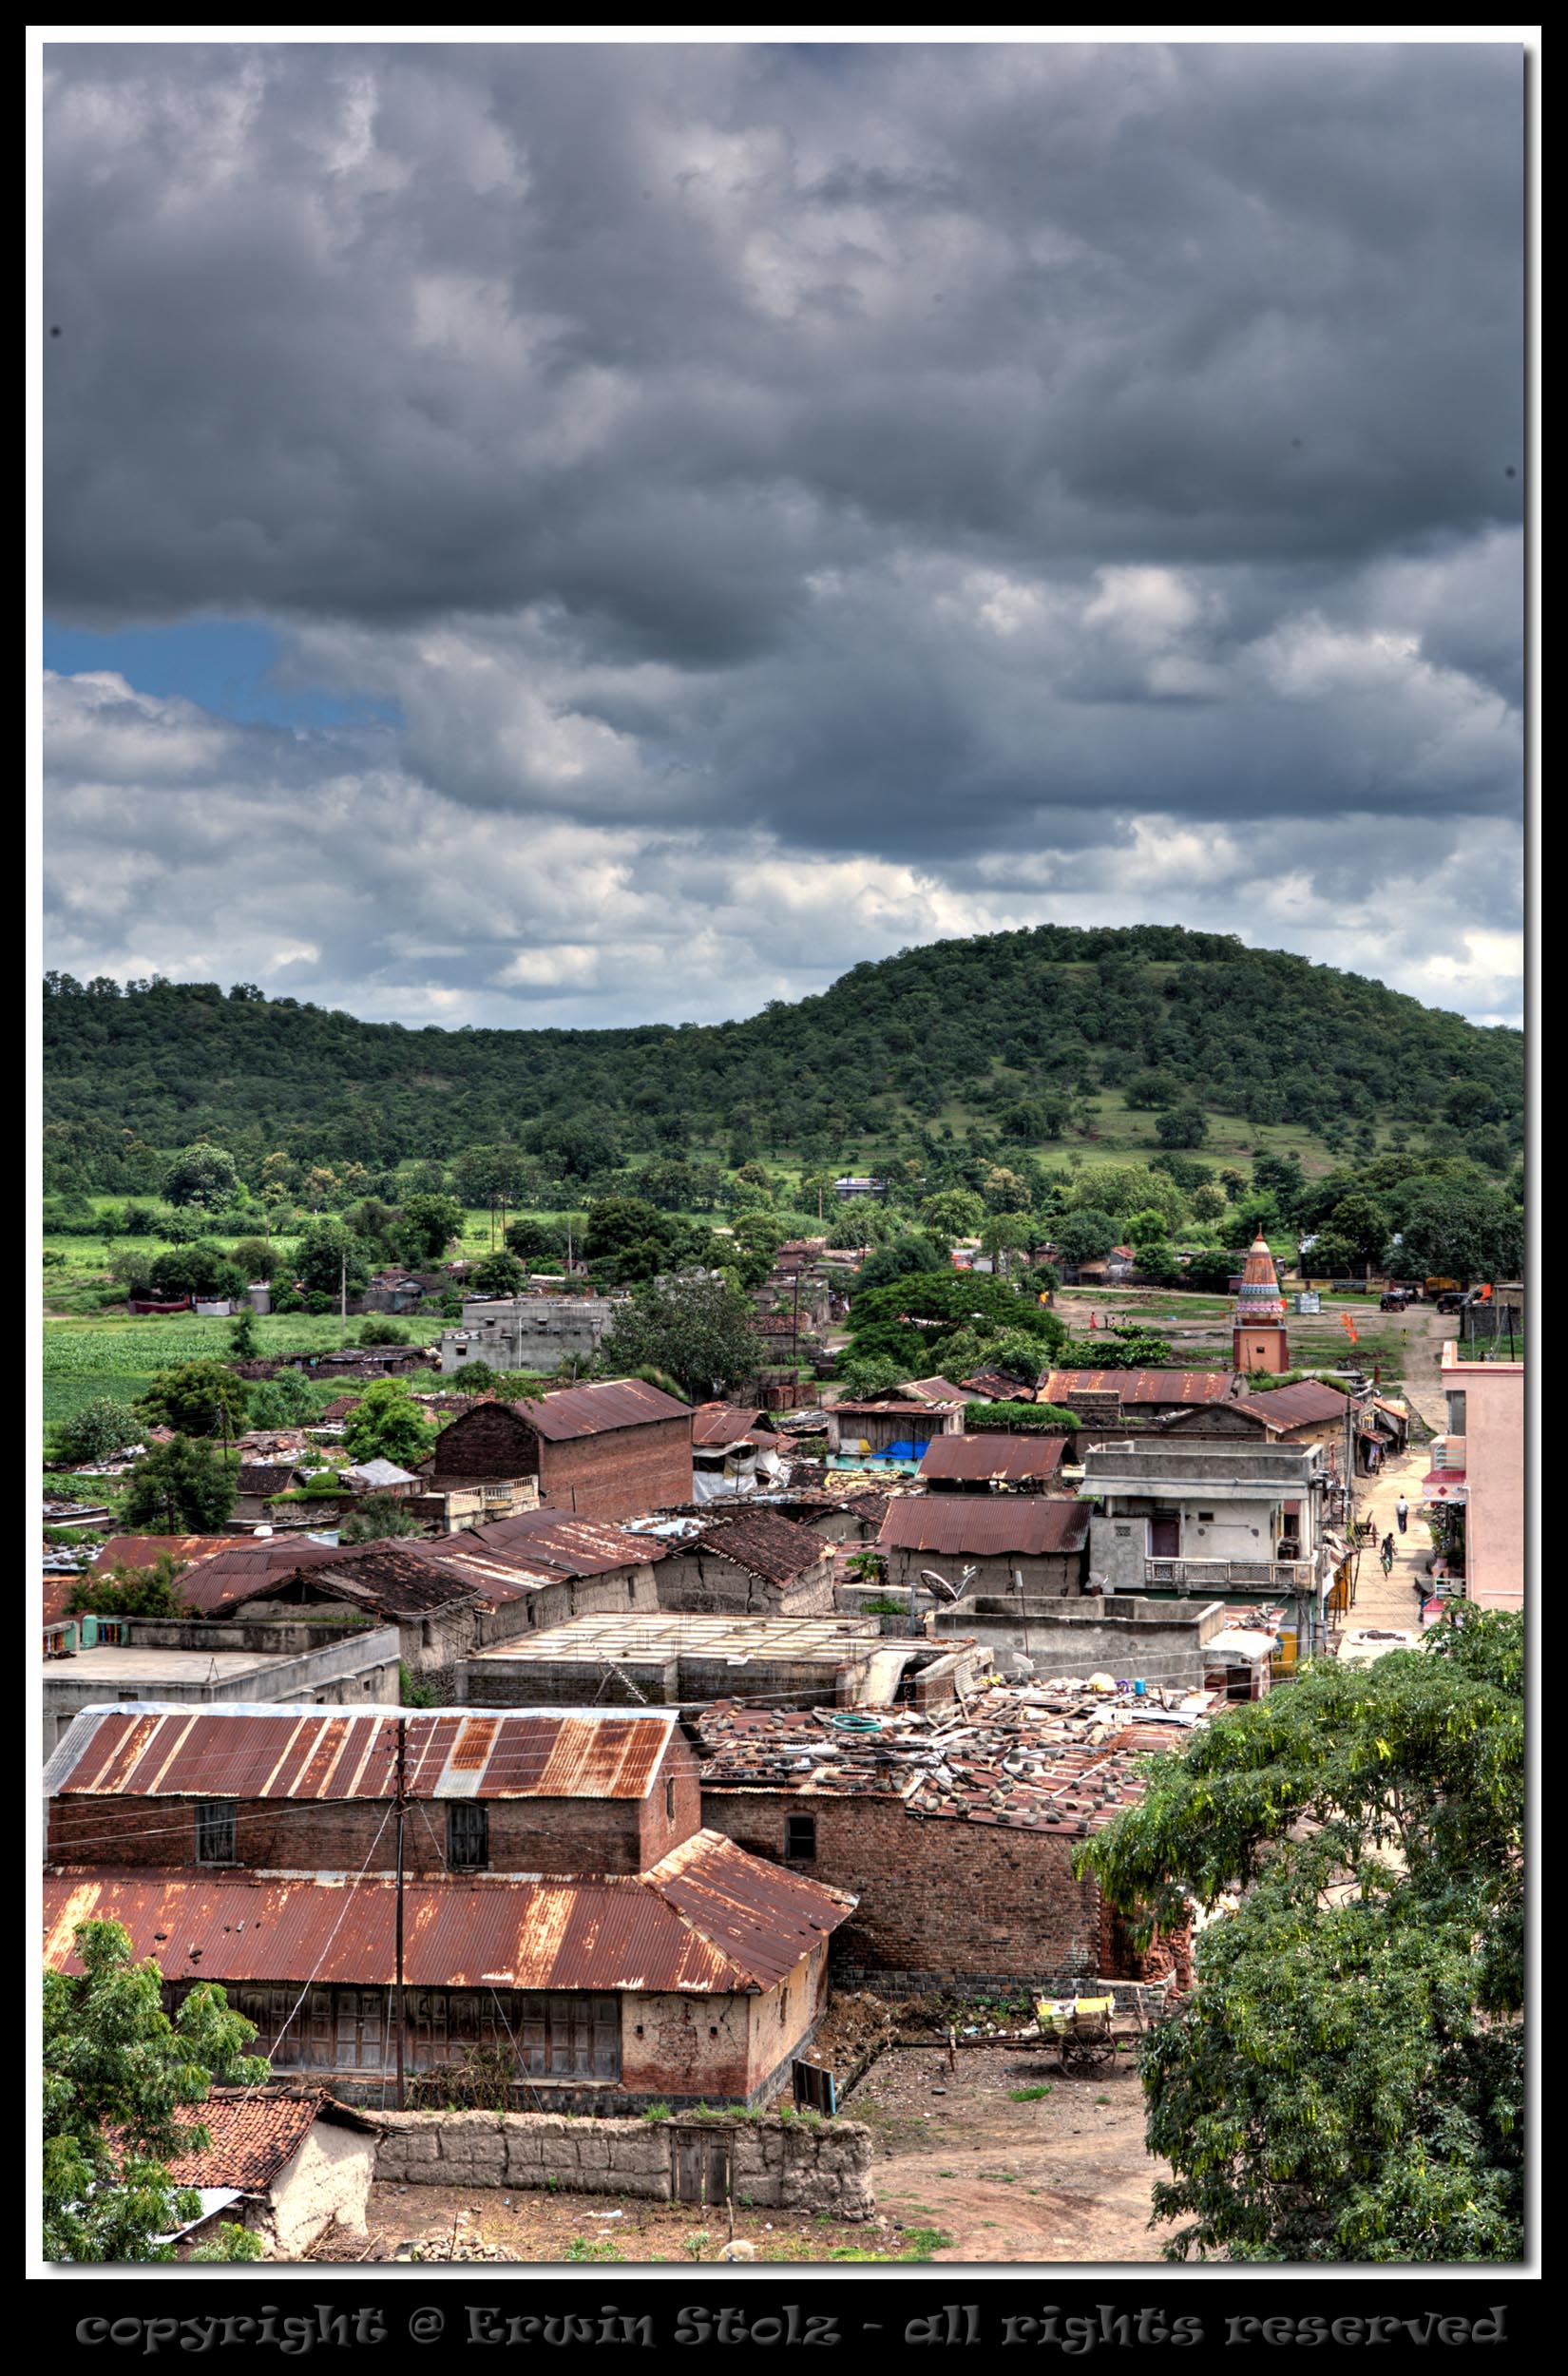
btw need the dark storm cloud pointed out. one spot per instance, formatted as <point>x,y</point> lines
<point>874,455</point>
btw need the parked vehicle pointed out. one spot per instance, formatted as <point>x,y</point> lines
<point>1458,1301</point>
<point>1397,1300</point>
<point>1440,1285</point>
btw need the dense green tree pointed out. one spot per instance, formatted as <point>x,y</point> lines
<point>535,1242</point>
<point>1207,1202</point>
<point>1454,1230</point>
<point>201,1175</point>
<point>900,1259</point>
<point>182,1487</point>
<point>1084,1236</point>
<point>498,1274</point>
<point>197,1268</point>
<point>196,1398</point>
<point>431,1224</point>
<point>258,1257</point>
<point>700,1331</point>
<point>1345,2082</point>
<point>387,1424</point>
<point>329,1258</point>
<point>116,2071</point>
<point>953,1212</point>
<point>95,1430</point>
<point>1185,1125</point>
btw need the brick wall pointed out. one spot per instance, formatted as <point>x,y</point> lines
<point>623,1473</point>
<point>703,1583</point>
<point>939,1901</point>
<point>560,1835</point>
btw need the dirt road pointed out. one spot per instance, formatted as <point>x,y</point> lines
<point>1061,2177</point>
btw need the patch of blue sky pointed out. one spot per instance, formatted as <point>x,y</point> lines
<point>230,666</point>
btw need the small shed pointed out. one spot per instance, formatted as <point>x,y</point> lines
<point>286,2162</point>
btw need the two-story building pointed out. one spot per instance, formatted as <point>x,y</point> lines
<point>1203,1517</point>
<point>536,1883</point>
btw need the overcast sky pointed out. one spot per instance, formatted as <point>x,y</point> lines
<point>556,534</point>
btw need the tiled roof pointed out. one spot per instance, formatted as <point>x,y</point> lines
<point>764,1544</point>
<point>255,2133</point>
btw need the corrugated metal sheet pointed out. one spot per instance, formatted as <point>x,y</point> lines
<point>1007,1459</point>
<point>985,1525</point>
<point>576,1411</point>
<point>762,1915</point>
<point>722,1922</point>
<point>335,1754</point>
<point>557,1542</point>
<point>716,1424</point>
<point>1138,1385</point>
<point>1304,1405</point>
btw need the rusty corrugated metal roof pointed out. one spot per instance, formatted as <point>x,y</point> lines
<point>154,1751</point>
<point>577,1410</point>
<point>1007,1459</point>
<point>1304,1405</point>
<point>985,1525</point>
<point>1138,1385</point>
<point>561,1545</point>
<point>715,1424</point>
<point>721,1922</point>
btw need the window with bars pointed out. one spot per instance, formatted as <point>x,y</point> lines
<point>801,1836</point>
<point>468,1835</point>
<point>215,1825</point>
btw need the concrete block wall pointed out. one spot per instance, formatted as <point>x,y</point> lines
<point>795,2165</point>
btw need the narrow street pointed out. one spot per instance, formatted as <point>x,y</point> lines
<point>1391,1600</point>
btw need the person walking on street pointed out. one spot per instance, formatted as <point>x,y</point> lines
<point>1402,1511</point>
<point>1386,1554</point>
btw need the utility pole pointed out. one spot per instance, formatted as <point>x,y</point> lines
<point>402,1805</point>
<point>342,1297</point>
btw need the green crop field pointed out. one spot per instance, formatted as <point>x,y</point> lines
<point>121,1356</point>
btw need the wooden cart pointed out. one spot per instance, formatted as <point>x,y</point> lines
<point>1081,2028</point>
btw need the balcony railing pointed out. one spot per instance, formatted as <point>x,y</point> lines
<point>1204,1575</point>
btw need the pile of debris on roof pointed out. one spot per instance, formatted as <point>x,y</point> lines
<point>1061,1755</point>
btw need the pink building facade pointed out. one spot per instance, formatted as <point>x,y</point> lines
<point>1480,1465</point>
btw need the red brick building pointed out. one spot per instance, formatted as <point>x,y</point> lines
<point>559,1899</point>
<point>956,1844</point>
<point>613,1450</point>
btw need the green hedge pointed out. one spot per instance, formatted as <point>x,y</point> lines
<point>1018,1419</point>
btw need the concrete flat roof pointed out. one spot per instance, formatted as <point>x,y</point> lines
<point>135,1665</point>
<point>667,1634</point>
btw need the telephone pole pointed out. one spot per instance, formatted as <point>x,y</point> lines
<point>343,1297</point>
<point>402,1806</point>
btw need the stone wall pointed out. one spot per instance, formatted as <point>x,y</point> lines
<point>795,2165</point>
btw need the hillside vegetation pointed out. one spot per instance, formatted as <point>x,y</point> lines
<point>1033,1037</point>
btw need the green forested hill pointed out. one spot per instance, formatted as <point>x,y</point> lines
<point>1015,1030</point>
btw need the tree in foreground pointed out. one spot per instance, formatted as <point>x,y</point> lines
<point>701,1331</point>
<point>115,2069</point>
<point>1345,2082</point>
<point>182,1487</point>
